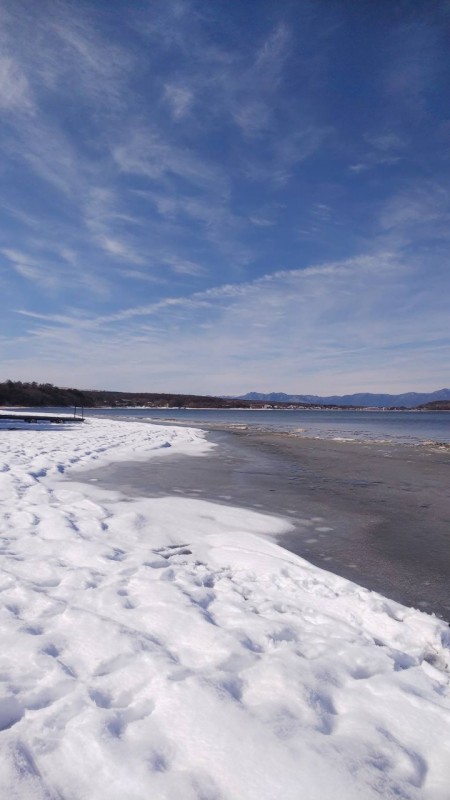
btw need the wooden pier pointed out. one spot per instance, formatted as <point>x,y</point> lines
<point>33,416</point>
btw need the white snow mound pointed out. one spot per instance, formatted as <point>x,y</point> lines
<point>166,648</point>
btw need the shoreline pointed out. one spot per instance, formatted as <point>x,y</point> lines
<point>375,513</point>
<point>308,432</point>
<point>241,428</point>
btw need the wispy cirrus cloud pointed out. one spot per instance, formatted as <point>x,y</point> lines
<point>148,154</point>
<point>29,268</point>
<point>415,60</point>
<point>424,206</point>
<point>14,88</point>
<point>381,149</point>
<point>171,171</point>
<point>319,324</point>
<point>251,102</point>
<point>179,99</point>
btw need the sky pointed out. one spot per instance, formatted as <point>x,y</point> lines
<point>223,196</point>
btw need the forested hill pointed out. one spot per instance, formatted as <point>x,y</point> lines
<point>16,393</point>
<point>436,405</point>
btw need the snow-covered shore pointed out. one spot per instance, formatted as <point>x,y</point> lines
<point>167,648</point>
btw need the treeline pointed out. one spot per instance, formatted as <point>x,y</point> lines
<point>154,400</point>
<point>436,405</point>
<point>16,393</point>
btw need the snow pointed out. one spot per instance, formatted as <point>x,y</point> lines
<point>168,648</point>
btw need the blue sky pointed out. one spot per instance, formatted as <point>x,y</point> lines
<point>219,196</point>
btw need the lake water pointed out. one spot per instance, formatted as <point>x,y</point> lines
<point>407,427</point>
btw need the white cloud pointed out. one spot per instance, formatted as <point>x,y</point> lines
<point>31,269</point>
<point>119,249</point>
<point>15,92</point>
<point>179,100</point>
<point>252,117</point>
<point>299,330</point>
<point>423,206</point>
<point>276,165</point>
<point>261,222</point>
<point>387,141</point>
<point>146,153</point>
<point>271,56</point>
<point>386,149</point>
<point>183,266</point>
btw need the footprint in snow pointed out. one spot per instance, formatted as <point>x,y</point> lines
<point>11,712</point>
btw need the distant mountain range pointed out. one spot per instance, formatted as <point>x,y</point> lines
<point>408,400</point>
